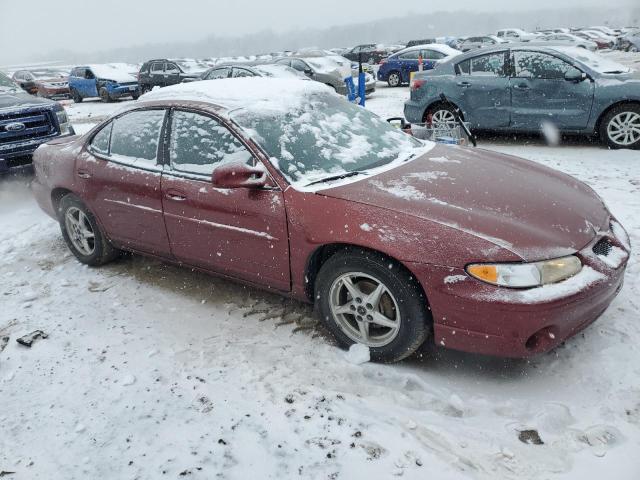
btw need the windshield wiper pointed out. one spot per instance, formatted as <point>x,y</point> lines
<point>339,176</point>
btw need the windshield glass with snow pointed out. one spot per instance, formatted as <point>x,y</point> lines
<point>594,61</point>
<point>325,136</point>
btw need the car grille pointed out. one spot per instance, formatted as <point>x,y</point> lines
<point>36,124</point>
<point>602,247</point>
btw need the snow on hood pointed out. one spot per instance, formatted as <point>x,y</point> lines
<point>254,93</point>
<point>118,72</point>
<point>532,211</point>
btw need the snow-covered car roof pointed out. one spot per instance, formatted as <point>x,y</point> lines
<point>252,93</point>
<point>437,47</point>
<point>118,72</point>
<point>592,60</point>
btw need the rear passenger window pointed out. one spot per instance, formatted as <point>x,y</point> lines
<point>100,142</point>
<point>491,65</point>
<point>135,137</point>
<point>463,68</point>
<point>157,67</point>
<point>412,55</point>
<point>218,73</point>
<point>200,143</point>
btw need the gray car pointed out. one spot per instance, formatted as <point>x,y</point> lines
<point>473,43</point>
<point>524,89</point>
<point>330,70</point>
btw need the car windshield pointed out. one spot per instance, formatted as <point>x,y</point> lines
<point>6,84</point>
<point>594,61</point>
<point>324,137</point>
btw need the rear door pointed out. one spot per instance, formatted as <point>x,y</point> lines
<point>408,63</point>
<point>87,83</point>
<point>120,176</point>
<point>239,232</point>
<point>540,94</point>
<point>430,58</point>
<point>482,87</point>
<point>171,73</point>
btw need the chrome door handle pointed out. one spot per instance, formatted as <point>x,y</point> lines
<point>83,174</point>
<point>464,84</point>
<point>522,86</point>
<point>176,198</point>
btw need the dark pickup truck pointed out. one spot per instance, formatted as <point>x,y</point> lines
<point>26,122</point>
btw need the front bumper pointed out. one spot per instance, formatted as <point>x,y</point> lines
<point>123,90</point>
<point>473,316</point>
<point>18,155</point>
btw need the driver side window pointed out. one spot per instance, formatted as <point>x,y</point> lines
<point>537,65</point>
<point>200,143</point>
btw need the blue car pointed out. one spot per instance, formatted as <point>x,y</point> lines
<point>397,68</point>
<point>520,88</point>
<point>109,82</point>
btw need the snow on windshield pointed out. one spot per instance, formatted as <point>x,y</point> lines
<point>325,136</point>
<point>330,64</point>
<point>279,71</point>
<point>118,72</point>
<point>594,61</point>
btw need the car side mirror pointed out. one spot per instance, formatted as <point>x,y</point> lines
<point>239,175</point>
<point>308,72</point>
<point>575,75</point>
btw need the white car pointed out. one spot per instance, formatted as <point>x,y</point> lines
<point>568,40</point>
<point>517,34</point>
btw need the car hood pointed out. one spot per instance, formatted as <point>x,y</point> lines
<point>532,211</point>
<point>21,99</point>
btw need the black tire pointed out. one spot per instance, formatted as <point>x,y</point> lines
<point>135,96</point>
<point>415,320</point>
<point>145,88</point>
<point>104,95</point>
<point>76,96</point>
<point>394,79</point>
<point>103,252</point>
<point>610,119</point>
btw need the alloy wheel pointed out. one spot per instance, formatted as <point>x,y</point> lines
<point>80,231</point>
<point>394,79</point>
<point>624,129</point>
<point>364,309</point>
<point>443,118</point>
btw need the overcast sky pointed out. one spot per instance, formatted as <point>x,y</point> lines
<point>32,27</point>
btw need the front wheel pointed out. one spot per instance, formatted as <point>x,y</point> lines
<point>394,79</point>
<point>364,297</point>
<point>104,95</point>
<point>82,233</point>
<point>620,127</point>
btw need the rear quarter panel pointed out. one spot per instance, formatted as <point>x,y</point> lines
<point>611,91</point>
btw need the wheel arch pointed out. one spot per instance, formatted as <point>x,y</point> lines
<point>322,253</point>
<point>603,113</point>
<point>437,103</point>
<point>56,195</point>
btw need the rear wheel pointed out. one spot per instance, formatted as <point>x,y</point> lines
<point>364,297</point>
<point>82,233</point>
<point>76,96</point>
<point>394,79</point>
<point>441,116</point>
<point>620,127</point>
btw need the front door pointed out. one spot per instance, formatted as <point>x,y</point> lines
<point>482,88</point>
<point>120,179</point>
<point>238,232</point>
<point>171,73</point>
<point>540,94</point>
<point>87,84</point>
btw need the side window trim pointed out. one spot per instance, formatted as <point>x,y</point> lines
<point>157,168</point>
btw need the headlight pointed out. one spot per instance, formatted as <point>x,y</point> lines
<point>523,275</point>
<point>63,121</point>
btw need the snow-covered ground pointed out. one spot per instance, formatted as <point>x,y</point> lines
<point>153,371</point>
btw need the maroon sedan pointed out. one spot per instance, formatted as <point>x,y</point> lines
<point>286,186</point>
